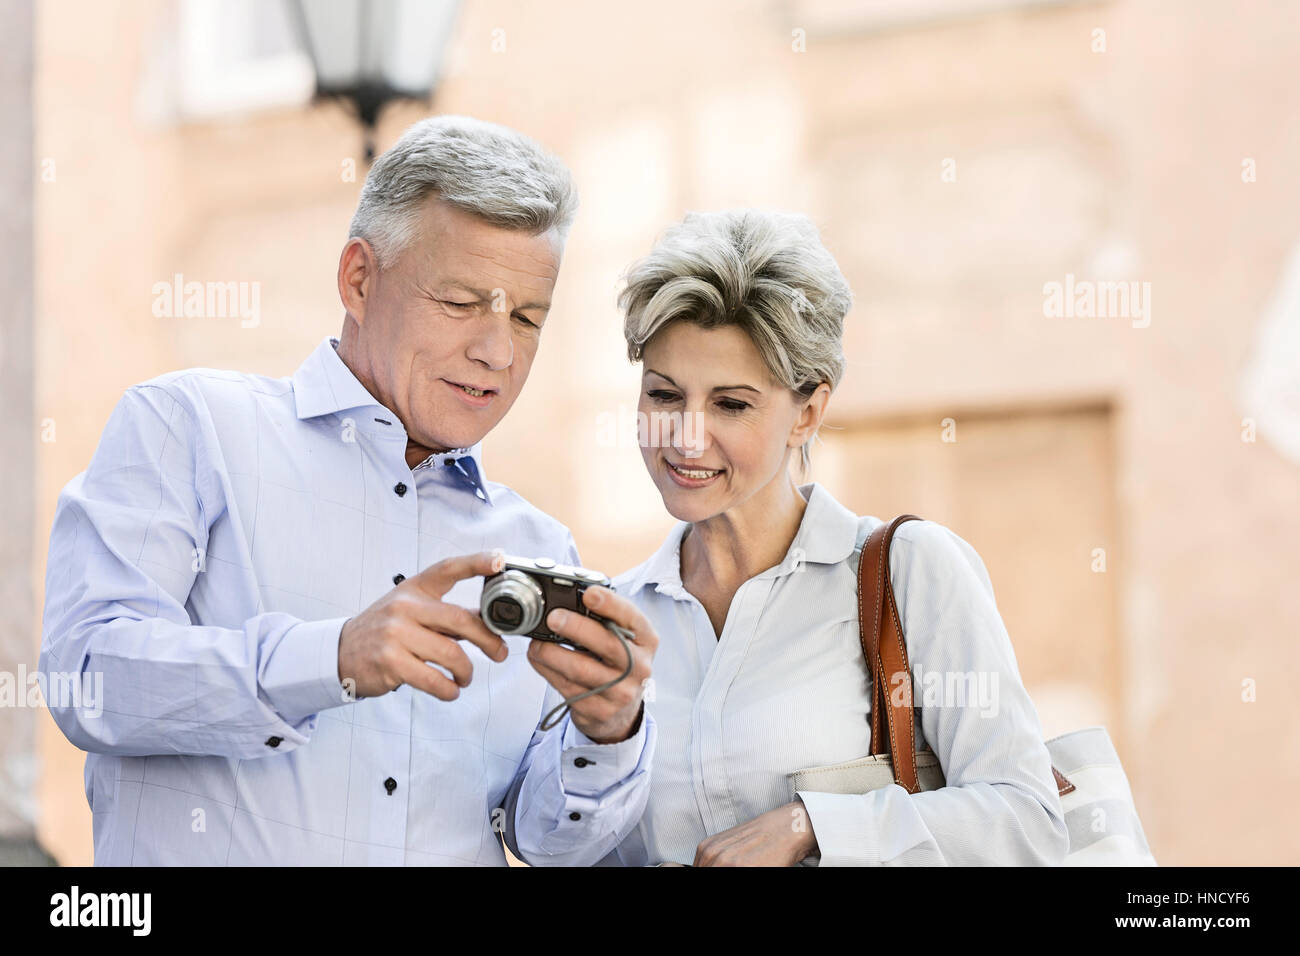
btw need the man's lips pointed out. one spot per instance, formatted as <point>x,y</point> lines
<point>472,399</point>
<point>481,388</point>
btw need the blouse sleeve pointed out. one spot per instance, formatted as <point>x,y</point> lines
<point>1000,804</point>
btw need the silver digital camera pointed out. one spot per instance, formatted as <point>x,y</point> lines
<point>518,598</point>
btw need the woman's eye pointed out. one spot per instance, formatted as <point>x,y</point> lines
<point>731,405</point>
<point>659,395</point>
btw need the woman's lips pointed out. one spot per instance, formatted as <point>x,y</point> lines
<point>686,481</point>
<point>474,401</point>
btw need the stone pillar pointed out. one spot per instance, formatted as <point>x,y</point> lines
<point>17,435</point>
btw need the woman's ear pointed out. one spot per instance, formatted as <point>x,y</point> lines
<point>811,413</point>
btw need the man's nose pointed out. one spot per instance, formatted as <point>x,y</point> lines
<point>492,343</point>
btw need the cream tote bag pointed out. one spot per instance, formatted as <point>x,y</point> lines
<point>1094,791</point>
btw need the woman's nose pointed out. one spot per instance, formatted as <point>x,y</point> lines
<point>691,434</point>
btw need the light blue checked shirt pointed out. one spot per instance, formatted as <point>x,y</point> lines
<point>786,688</point>
<point>205,563</point>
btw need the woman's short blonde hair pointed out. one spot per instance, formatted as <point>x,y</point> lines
<point>766,272</point>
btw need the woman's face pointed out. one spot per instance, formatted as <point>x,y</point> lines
<point>716,427</point>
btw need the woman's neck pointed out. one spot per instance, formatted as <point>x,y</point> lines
<point>723,552</point>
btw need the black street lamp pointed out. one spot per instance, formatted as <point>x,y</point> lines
<point>368,53</point>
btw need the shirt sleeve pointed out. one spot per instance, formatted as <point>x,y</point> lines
<point>1000,804</point>
<point>127,544</point>
<point>574,800</point>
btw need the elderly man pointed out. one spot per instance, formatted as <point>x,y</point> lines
<point>273,576</point>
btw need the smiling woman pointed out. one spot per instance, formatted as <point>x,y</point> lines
<point>787,296</point>
<point>737,318</point>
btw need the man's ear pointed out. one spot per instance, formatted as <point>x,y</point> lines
<point>357,269</point>
<point>810,416</point>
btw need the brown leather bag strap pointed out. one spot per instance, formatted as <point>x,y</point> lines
<point>881,629</point>
<point>886,656</point>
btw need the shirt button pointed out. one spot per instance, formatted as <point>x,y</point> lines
<point>575,815</point>
<point>400,488</point>
<point>399,578</point>
<point>581,762</point>
<point>274,742</point>
<point>390,785</point>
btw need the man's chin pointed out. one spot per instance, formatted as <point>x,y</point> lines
<point>443,427</point>
<point>446,439</point>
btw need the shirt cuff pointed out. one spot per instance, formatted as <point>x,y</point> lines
<point>301,676</point>
<point>845,834</point>
<point>868,829</point>
<point>588,769</point>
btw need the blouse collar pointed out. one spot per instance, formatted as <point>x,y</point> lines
<point>827,534</point>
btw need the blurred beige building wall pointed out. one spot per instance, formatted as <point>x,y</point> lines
<point>957,163</point>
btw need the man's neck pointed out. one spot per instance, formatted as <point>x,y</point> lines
<point>416,453</point>
<point>346,349</point>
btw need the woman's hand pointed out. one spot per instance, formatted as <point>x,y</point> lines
<point>780,837</point>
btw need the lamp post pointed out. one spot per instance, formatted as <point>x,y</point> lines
<point>368,53</point>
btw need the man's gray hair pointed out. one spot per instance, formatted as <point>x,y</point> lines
<point>766,272</point>
<point>491,171</point>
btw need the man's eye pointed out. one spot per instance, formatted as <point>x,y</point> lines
<point>527,321</point>
<point>456,305</point>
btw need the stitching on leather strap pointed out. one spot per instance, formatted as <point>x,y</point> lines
<point>880,553</point>
<point>909,731</point>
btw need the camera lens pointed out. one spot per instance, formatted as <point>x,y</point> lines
<point>512,603</point>
<point>506,610</point>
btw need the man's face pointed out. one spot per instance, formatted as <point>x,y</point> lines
<point>463,306</point>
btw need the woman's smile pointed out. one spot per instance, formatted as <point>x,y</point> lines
<point>691,477</point>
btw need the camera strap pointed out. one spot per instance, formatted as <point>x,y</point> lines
<point>623,635</point>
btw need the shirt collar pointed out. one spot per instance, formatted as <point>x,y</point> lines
<point>324,385</point>
<point>828,534</point>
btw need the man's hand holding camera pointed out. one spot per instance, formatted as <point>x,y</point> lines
<point>393,641</point>
<point>614,714</point>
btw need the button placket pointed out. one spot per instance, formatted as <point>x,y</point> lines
<point>400,489</point>
<point>713,790</point>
